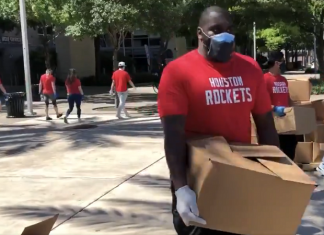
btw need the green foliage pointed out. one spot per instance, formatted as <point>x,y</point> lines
<point>7,24</point>
<point>318,89</point>
<point>279,34</point>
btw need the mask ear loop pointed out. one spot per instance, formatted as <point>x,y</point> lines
<point>208,47</point>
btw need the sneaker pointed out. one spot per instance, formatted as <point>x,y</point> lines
<point>48,119</point>
<point>65,120</point>
<point>320,168</point>
<point>59,115</point>
<point>119,117</point>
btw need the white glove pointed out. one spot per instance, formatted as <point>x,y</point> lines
<point>187,206</point>
<point>111,92</point>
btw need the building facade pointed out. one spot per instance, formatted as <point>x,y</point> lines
<point>80,54</point>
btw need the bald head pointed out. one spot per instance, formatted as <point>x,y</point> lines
<point>213,12</point>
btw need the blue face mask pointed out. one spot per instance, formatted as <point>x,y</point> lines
<point>220,48</point>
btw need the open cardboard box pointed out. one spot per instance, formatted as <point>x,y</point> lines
<point>308,152</point>
<point>247,189</point>
<point>299,120</point>
<point>41,228</point>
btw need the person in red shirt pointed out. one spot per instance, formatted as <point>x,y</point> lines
<point>3,91</point>
<point>48,89</point>
<point>209,91</point>
<point>74,94</point>
<point>277,86</point>
<point>120,79</point>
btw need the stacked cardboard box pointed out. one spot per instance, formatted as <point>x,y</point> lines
<point>247,189</point>
<point>308,150</point>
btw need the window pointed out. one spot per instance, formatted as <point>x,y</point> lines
<point>140,42</point>
<point>128,42</point>
<point>155,41</point>
<point>49,30</point>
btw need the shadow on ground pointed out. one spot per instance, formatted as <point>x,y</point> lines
<point>146,110</point>
<point>151,181</point>
<point>113,214</point>
<point>135,127</point>
<point>19,139</point>
<point>132,97</point>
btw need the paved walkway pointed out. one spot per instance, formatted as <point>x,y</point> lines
<point>111,179</point>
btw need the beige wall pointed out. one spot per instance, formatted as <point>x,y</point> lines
<point>77,54</point>
<point>178,45</point>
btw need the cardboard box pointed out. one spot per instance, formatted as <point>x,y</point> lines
<point>254,135</point>
<point>319,109</point>
<point>299,89</point>
<point>318,105</point>
<point>298,120</point>
<point>247,189</point>
<point>316,136</point>
<point>42,228</point>
<point>308,152</point>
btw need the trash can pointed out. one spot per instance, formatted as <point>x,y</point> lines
<point>15,103</point>
<point>35,92</point>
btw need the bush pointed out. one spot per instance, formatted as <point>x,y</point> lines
<point>318,89</point>
<point>311,70</point>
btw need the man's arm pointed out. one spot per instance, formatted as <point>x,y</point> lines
<point>175,148</point>
<point>40,87</point>
<point>173,108</point>
<point>267,133</point>
<point>112,86</point>
<point>131,83</point>
<point>262,113</point>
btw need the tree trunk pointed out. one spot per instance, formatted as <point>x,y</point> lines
<point>47,56</point>
<point>115,59</point>
<point>163,48</point>
<point>295,56</point>
<point>96,42</point>
<point>320,47</point>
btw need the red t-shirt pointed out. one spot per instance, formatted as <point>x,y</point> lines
<point>216,98</point>
<point>121,78</point>
<point>73,88</point>
<point>277,86</point>
<point>46,81</point>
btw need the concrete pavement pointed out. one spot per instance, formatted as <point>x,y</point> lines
<point>74,170</point>
<point>111,179</point>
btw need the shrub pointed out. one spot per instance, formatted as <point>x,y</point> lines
<point>318,89</point>
<point>311,70</point>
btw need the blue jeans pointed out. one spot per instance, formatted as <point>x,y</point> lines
<point>74,99</point>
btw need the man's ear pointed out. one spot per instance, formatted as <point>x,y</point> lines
<point>199,33</point>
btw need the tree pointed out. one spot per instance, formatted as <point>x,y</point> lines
<point>98,17</point>
<point>163,18</point>
<point>7,24</point>
<point>307,15</point>
<point>43,14</point>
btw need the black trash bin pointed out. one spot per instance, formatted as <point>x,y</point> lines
<point>15,103</point>
<point>35,92</point>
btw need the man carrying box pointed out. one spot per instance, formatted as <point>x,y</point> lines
<point>277,86</point>
<point>210,91</point>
